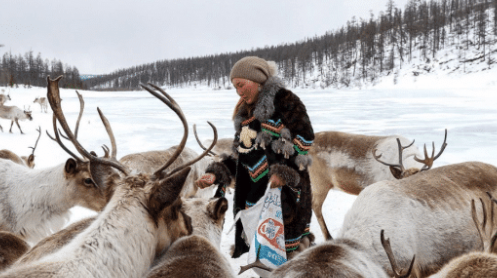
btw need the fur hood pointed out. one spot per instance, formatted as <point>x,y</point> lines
<point>264,107</point>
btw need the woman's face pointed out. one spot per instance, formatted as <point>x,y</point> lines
<point>248,90</point>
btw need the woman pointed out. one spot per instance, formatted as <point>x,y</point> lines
<point>273,136</point>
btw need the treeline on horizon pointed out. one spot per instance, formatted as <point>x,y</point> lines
<point>27,70</point>
<point>360,50</point>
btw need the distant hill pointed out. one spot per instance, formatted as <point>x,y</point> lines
<point>444,36</point>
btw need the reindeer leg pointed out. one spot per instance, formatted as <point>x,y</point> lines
<point>319,193</point>
<point>1,128</point>
<point>17,122</point>
<point>11,124</point>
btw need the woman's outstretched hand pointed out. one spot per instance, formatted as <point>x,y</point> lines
<point>205,181</point>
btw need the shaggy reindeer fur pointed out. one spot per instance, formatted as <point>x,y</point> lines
<point>11,248</point>
<point>472,265</point>
<point>426,215</point>
<point>146,163</point>
<point>142,218</point>
<point>344,161</point>
<point>198,255</point>
<point>35,203</point>
<point>337,258</point>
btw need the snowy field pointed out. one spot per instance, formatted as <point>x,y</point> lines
<point>418,109</point>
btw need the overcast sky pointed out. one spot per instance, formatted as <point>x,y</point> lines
<point>100,36</point>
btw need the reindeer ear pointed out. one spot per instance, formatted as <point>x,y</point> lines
<point>217,208</point>
<point>396,172</point>
<point>31,159</point>
<point>71,166</point>
<point>166,191</point>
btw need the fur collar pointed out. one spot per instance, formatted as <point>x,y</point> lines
<point>264,108</point>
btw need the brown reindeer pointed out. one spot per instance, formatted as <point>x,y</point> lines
<point>202,248</point>
<point>144,214</point>
<point>479,264</point>
<point>349,162</point>
<point>28,161</point>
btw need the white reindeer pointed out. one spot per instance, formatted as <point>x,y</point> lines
<point>202,248</point>
<point>426,215</point>
<point>43,103</point>
<point>4,98</point>
<point>35,203</point>
<point>14,114</point>
<point>480,264</point>
<point>132,230</point>
<point>348,162</point>
<point>28,161</point>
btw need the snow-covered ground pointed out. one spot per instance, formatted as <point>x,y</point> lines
<point>417,107</point>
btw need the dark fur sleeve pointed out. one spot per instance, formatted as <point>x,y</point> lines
<point>294,116</point>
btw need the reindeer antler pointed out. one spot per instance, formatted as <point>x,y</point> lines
<point>169,101</point>
<point>81,108</point>
<point>486,233</point>
<point>36,144</point>
<point>428,161</point>
<point>400,165</point>
<point>199,143</point>
<point>388,249</point>
<point>53,96</point>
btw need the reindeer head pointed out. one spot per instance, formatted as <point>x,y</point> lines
<point>91,178</point>
<point>36,100</point>
<point>207,216</point>
<point>400,172</point>
<point>27,113</point>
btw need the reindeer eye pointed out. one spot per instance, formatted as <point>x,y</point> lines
<point>88,181</point>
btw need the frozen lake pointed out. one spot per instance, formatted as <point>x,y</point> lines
<point>141,123</point>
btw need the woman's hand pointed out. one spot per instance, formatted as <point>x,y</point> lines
<point>205,181</point>
<point>276,181</point>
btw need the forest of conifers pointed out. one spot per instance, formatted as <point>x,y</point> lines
<point>363,49</point>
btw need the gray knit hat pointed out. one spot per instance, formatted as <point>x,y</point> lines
<point>253,68</point>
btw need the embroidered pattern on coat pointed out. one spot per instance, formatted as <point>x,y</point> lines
<point>272,127</point>
<point>301,145</point>
<point>259,170</point>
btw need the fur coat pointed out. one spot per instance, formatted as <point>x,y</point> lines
<point>273,137</point>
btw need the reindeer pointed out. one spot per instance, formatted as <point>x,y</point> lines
<point>11,248</point>
<point>28,161</point>
<point>202,248</point>
<point>43,103</point>
<point>337,258</point>
<point>426,214</point>
<point>35,203</point>
<point>349,162</point>
<point>4,98</point>
<point>144,214</point>
<point>476,264</point>
<point>14,114</point>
